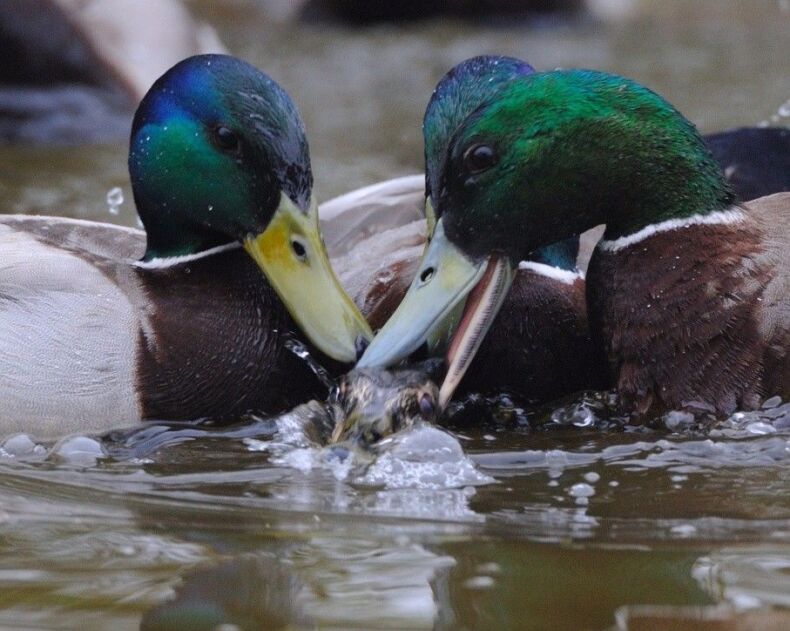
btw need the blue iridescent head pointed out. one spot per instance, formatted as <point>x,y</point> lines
<point>218,154</point>
<point>214,143</point>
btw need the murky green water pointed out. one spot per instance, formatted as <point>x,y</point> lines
<point>579,526</point>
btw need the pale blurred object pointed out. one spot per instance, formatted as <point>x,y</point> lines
<point>74,70</point>
<point>139,39</point>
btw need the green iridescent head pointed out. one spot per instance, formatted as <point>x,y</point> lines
<point>463,89</point>
<point>550,155</point>
<point>218,154</point>
<point>559,152</point>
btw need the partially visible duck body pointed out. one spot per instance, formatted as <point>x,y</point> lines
<point>755,160</point>
<point>360,12</point>
<point>103,326</point>
<point>554,154</point>
<point>695,312</point>
<point>539,346</point>
<point>91,338</point>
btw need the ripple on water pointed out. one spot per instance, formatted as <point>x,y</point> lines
<point>746,577</point>
<point>747,439</point>
<point>592,482</point>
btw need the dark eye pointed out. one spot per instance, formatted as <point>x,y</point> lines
<point>226,139</point>
<point>478,158</point>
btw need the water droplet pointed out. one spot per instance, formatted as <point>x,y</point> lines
<point>582,492</point>
<point>592,477</point>
<point>18,445</point>
<point>78,450</point>
<point>489,568</point>
<point>479,582</point>
<point>114,200</point>
<point>683,530</point>
<point>771,403</point>
<point>760,428</point>
<point>300,350</point>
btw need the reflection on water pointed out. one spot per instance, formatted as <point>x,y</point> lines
<point>555,518</point>
<point>189,527</point>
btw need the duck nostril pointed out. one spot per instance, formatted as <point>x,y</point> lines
<point>426,274</point>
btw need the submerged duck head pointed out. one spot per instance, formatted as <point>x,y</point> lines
<point>372,404</point>
<point>550,155</point>
<point>218,155</point>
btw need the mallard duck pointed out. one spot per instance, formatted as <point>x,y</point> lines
<point>687,291</point>
<point>538,357</point>
<point>103,325</point>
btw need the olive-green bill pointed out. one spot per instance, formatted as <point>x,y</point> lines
<point>446,277</point>
<point>292,255</point>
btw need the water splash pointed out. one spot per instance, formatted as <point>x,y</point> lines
<point>301,351</point>
<point>782,113</point>
<point>423,457</point>
<point>114,200</point>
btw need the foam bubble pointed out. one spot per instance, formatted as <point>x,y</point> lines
<point>425,458</point>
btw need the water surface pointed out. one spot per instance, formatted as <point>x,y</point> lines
<point>560,526</point>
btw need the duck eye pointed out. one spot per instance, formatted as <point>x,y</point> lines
<point>478,158</point>
<point>226,139</point>
<point>427,408</point>
<point>298,249</point>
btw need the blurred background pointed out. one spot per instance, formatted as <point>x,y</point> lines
<point>360,72</point>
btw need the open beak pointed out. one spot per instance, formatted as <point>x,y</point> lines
<point>446,277</point>
<point>292,255</point>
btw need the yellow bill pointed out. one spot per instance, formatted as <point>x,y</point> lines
<point>293,257</point>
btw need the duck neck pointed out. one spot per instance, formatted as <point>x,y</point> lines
<point>167,238</point>
<point>671,179</point>
<point>562,254</point>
